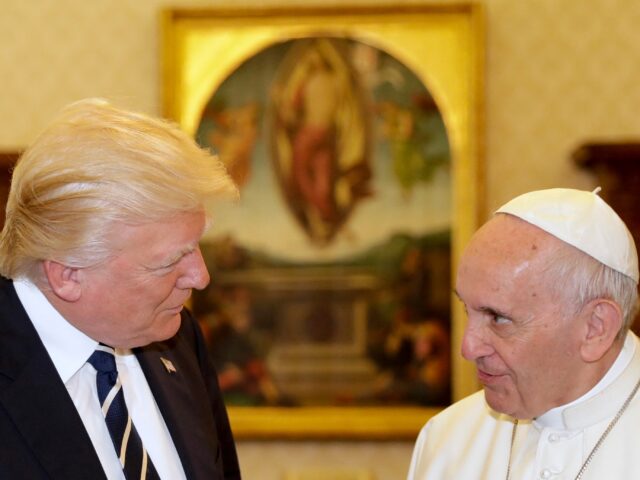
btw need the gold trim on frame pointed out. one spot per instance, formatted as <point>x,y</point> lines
<point>444,46</point>
<point>365,423</point>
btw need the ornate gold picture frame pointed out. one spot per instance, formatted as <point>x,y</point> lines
<point>442,45</point>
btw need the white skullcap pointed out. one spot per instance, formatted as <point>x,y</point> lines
<point>581,219</point>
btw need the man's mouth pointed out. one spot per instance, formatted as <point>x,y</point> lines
<point>487,378</point>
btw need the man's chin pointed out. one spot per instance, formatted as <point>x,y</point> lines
<point>499,403</point>
<point>172,327</point>
<point>166,328</point>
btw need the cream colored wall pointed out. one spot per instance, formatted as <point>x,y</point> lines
<point>558,73</point>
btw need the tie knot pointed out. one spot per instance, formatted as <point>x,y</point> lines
<point>103,361</point>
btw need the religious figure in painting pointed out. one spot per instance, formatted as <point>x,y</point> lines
<point>322,166</point>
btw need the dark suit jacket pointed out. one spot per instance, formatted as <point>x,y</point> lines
<point>42,435</point>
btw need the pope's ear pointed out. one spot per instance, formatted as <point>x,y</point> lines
<point>63,280</point>
<point>603,323</point>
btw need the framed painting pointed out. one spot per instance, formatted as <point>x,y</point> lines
<point>354,137</point>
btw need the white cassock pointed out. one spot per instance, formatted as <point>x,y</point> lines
<point>469,441</point>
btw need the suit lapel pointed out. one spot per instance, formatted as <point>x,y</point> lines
<point>182,399</point>
<point>37,401</point>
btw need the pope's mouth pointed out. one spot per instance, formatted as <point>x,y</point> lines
<point>487,378</point>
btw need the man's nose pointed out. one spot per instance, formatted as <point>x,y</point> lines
<point>196,275</point>
<point>474,342</point>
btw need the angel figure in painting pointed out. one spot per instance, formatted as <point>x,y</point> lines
<point>232,131</point>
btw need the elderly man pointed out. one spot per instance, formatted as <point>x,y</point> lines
<point>103,373</point>
<point>549,285</point>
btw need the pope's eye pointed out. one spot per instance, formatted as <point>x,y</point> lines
<point>500,320</point>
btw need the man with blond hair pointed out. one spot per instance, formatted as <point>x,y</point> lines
<point>549,285</point>
<point>103,373</point>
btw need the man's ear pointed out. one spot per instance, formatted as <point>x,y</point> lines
<point>63,280</point>
<point>603,322</point>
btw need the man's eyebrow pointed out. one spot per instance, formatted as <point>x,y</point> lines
<point>485,309</point>
<point>173,259</point>
<point>494,312</point>
<point>181,253</point>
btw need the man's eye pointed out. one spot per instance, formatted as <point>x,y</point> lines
<point>167,267</point>
<point>500,320</point>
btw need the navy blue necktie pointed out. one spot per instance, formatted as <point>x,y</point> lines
<point>135,462</point>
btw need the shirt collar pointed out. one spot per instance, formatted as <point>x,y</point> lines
<point>554,417</point>
<point>67,346</point>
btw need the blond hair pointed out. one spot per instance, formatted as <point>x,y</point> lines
<point>94,166</point>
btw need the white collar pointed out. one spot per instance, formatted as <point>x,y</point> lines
<point>555,418</point>
<point>67,346</point>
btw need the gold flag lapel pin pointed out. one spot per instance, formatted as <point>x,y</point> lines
<point>168,365</point>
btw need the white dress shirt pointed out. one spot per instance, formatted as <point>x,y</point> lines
<point>69,350</point>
